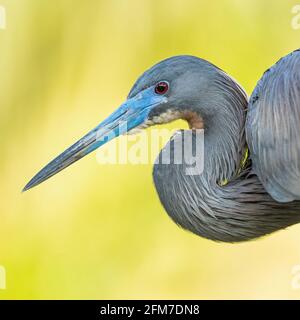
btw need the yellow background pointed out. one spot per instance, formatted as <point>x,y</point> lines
<point>98,231</point>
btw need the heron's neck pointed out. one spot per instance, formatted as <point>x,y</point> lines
<point>224,148</point>
<point>224,130</point>
<point>239,210</point>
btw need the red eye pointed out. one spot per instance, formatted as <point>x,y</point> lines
<point>162,87</point>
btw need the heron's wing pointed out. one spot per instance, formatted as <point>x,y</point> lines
<point>273,129</point>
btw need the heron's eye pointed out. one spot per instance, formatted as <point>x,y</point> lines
<point>162,87</point>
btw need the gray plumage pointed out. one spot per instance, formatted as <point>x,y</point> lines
<point>242,209</point>
<point>233,199</point>
<point>273,129</point>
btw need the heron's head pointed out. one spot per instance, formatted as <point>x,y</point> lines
<point>179,84</point>
<point>178,87</point>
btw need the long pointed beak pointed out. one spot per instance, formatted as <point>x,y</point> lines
<point>128,116</point>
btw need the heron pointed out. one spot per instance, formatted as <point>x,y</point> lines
<point>250,183</point>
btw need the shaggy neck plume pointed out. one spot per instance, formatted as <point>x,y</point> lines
<point>239,210</point>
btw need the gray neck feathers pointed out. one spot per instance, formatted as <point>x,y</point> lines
<point>241,209</point>
<point>224,129</point>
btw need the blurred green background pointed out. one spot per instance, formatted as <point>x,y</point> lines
<point>98,231</point>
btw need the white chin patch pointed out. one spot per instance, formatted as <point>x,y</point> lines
<point>165,117</point>
<point>138,129</point>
